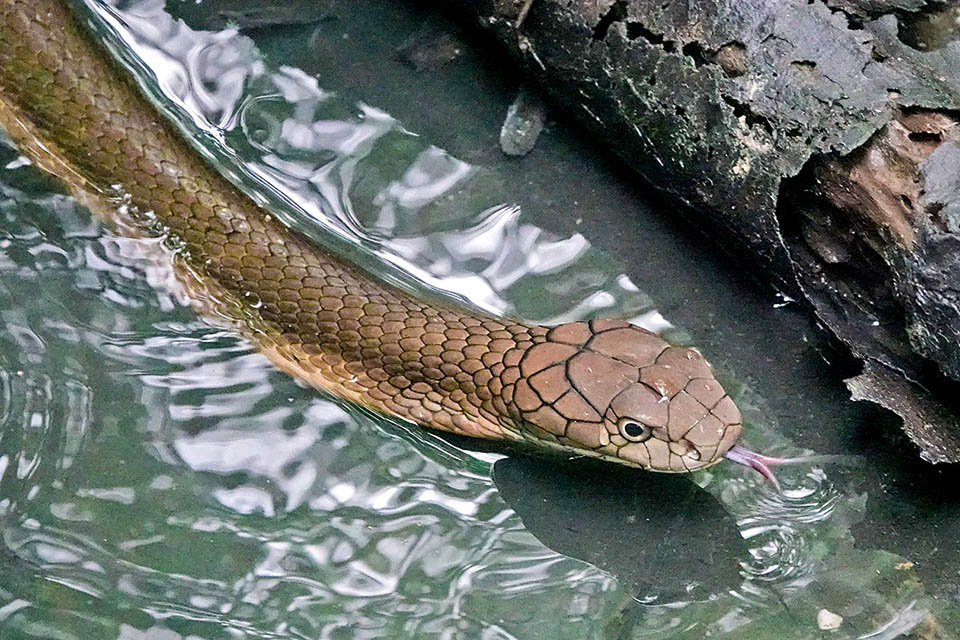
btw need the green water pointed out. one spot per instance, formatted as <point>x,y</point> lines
<point>159,480</point>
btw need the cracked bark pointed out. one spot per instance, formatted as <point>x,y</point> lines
<point>820,137</point>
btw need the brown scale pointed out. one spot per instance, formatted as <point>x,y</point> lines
<point>603,388</point>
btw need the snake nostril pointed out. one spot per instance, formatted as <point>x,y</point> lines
<point>693,454</point>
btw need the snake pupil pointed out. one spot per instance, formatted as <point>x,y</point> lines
<point>633,430</point>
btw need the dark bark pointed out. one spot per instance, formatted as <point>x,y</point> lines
<point>821,137</point>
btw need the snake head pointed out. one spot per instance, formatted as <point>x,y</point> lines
<point>610,389</point>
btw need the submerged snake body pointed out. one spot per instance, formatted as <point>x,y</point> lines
<point>603,388</point>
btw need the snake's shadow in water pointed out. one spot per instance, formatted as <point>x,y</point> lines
<point>664,538</point>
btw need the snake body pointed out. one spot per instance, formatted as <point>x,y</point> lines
<point>602,388</point>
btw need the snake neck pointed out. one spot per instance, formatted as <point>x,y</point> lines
<point>434,366</point>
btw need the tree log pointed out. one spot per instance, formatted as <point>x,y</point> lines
<point>821,138</point>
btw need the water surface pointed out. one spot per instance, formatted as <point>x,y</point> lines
<point>159,480</point>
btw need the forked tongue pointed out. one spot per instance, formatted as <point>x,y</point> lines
<point>762,463</point>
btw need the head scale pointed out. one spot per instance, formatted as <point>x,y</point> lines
<point>610,389</point>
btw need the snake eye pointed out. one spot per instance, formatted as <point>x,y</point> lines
<point>633,430</point>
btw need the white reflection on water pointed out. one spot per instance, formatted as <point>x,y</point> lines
<point>903,622</point>
<point>433,173</point>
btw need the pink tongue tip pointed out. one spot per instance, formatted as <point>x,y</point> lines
<point>760,462</point>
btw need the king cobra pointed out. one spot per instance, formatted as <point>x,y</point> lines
<point>602,388</point>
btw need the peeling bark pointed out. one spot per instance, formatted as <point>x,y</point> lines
<point>821,137</point>
<point>921,415</point>
<point>860,229</point>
